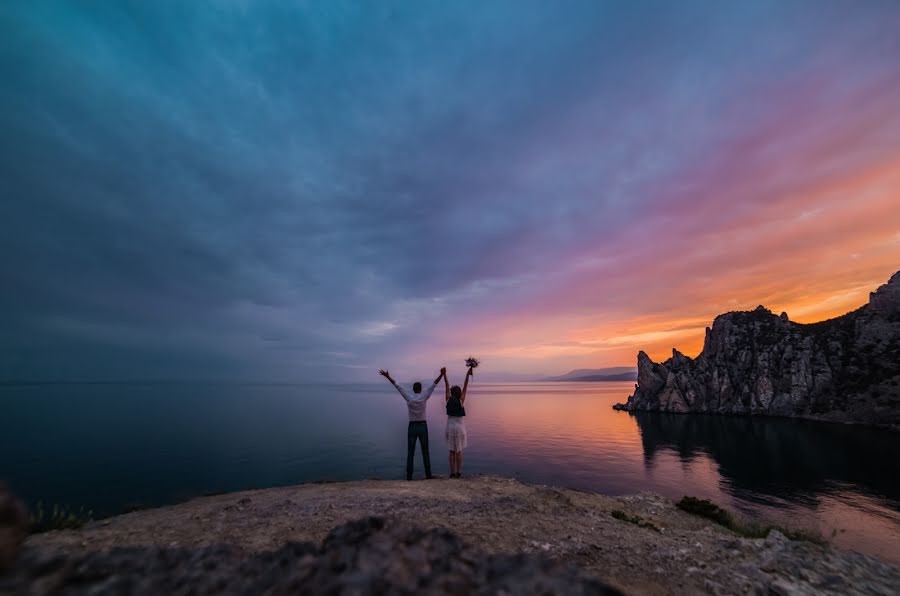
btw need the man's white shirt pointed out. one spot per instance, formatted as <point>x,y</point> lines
<point>415,402</point>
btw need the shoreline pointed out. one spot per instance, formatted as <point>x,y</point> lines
<point>892,428</point>
<point>670,552</point>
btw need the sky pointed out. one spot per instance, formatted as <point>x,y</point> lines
<point>310,191</point>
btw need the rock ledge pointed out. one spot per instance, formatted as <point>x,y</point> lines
<point>478,530</point>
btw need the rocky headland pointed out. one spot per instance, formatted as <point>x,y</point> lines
<point>479,535</point>
<point>845,369</point>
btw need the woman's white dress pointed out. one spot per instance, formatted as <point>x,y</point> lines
<point>455,435</point>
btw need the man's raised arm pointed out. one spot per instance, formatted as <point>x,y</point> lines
<point>387,376</point>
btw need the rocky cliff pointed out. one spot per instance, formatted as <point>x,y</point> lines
<point>845,369</point>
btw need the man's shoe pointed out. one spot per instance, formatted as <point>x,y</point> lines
<point>429,477</point>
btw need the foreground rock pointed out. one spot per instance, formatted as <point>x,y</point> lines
<point>369,556</point>
<point>13,528</point>
<point>845,369</point>
<point>674,553</point>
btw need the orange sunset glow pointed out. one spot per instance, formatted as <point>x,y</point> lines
<point>811,246</point>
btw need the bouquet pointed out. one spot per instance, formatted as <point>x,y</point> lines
<point>472,363</point>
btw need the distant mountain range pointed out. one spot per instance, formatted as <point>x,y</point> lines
<point>595,375</point>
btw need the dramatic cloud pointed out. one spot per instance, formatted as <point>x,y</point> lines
<point>309,191</point>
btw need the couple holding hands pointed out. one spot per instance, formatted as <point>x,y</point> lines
<point>455,434</point>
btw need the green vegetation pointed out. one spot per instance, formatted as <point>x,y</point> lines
<point>707,509</point>
<point>58,518</point>
<point>634,519</point>
<point>710,510</point>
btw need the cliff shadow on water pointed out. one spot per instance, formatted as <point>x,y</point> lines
<point>795,460</point>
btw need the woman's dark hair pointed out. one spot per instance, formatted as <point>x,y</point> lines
<point>456,392</point>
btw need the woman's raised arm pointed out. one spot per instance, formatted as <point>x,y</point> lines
<point>466,385</point>
<point>446,387</point>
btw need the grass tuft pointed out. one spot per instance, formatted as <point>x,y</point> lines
<point>709,510</point>
<point>634,519</point>
<point>58,518</point>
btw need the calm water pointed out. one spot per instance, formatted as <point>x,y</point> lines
<point>108,447</point>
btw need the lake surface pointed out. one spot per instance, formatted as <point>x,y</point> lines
<point>110,447</point>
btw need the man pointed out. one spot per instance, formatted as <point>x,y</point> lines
<point>418,428</point>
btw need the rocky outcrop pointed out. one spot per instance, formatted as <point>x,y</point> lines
<point>367,556</point>
<point>845,369</point>
<point>517,539</point>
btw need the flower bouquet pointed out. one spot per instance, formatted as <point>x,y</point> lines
<point>472,363</point>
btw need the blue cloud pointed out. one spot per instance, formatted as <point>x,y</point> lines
<point>241,188</point>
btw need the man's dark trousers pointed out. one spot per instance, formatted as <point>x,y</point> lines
<point>417,430</point>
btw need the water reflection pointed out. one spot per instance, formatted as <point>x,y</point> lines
<point>789,459</point>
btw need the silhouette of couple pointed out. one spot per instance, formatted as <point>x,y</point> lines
<point>455,433</point>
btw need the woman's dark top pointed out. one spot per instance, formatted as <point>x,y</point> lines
<point>455,407</point>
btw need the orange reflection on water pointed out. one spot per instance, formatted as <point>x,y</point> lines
<point>550,414</point>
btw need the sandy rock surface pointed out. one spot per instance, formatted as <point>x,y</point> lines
<point>687,555</point>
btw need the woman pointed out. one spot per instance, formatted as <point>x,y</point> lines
<point>455,434</point>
